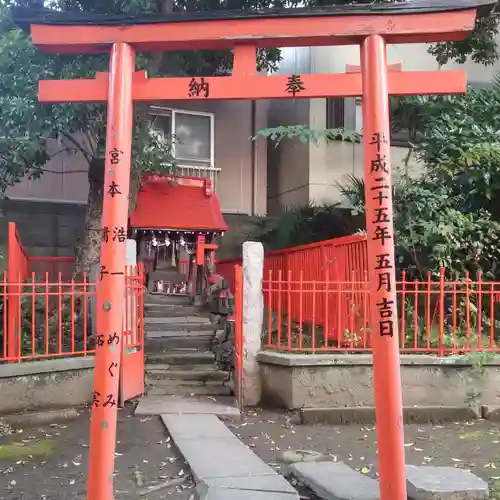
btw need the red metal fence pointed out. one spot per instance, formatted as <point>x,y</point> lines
<point>337,259</point>
<point>316,299</point>
<point>435,316</point>
<point>53,266</point>
<point>56,318</point>
<point>47,314</point>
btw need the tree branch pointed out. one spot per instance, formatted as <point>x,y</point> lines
<point>86,154</point>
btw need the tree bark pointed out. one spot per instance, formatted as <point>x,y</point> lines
<point>88,248</point>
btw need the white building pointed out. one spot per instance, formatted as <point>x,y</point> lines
<point>299,173</point>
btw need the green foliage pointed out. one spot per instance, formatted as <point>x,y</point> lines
<point>28,126</point>
<point>302,225</point>
<point>305,134</point>
<point>433,230</point>
<point>450,217</point>
<point>480,46</point>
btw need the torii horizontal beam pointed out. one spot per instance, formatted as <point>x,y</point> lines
<point>251,87</point>
<point>346,26</point>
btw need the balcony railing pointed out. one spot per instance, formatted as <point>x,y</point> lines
<point>202,171</point>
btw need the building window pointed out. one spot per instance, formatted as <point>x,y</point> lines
<point>335,112</point>
<point>190,133</point>
<point>400,136</point>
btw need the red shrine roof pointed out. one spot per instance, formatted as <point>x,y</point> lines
<point>178,203</point>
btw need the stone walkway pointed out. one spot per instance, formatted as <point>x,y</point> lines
<point>223,467</point>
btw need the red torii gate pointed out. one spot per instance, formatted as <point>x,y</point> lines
<point>369,26</point>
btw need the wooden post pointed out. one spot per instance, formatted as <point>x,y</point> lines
<point>381,265</point>
<point>111,279</point>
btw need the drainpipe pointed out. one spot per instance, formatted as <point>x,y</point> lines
<point>253,155</point>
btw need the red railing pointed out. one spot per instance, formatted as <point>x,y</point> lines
<point>57,318</point>
<point>17,271</point>
<point>226,268</point>
<point>337,259</point>
<point>53,266</point>
<point>238,336</point>
<point>46,314</point>
<point>435,316</point>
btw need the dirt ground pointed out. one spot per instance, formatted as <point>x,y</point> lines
<point>470,445</point>
<point>50,462</point>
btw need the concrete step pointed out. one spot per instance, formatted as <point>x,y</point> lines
<point>189,390</point>
<point>161,298</point>
<point>171,311</point>
<point>180,358</point>
<point>174,333</point>
<point>166,367</point>
<point>179,320</point>
<point>199,376</point>
<point>188,405</point>
<point>167,344</point>
<point>180,324</point>
<point>167,382</point>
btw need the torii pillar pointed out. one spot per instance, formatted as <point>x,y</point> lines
<point>372,27</point>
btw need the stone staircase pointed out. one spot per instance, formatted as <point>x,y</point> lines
<point>178,346</point>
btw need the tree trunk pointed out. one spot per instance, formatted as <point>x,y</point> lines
<point>88,248</point>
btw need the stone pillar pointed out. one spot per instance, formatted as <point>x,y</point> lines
<point>253,311</point>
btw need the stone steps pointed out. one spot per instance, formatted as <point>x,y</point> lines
<point>202,375</point>
<point>187,320</point>
<point>166,367</point>
<point>192,389</point>
<point>160,344</point>
<point>171,311</point>
<point>224,406</point>
<point>179,326</point>
<point>153,299</point>
<point>180,358</point>
<point>178,342</point>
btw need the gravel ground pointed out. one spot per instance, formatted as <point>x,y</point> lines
<point>50,462</point>
<point>470,445</point>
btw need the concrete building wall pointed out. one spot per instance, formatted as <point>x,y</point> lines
<point>319,169</point>
<point>57,200</point>
<point>287,163</point>
<point>65,176</point>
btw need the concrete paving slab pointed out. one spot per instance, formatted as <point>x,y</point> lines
<point>444,483</point>
<point>196,427</point>
<point>164,405</point>
<point>230,494</point>
<point>224,467</point>
<point>221,459</point>
<point>336,481</point>
<point>271,484</point>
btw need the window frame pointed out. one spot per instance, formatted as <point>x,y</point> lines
<point>155,111</point>
<point>399,139</point>
<point>335,112</point>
